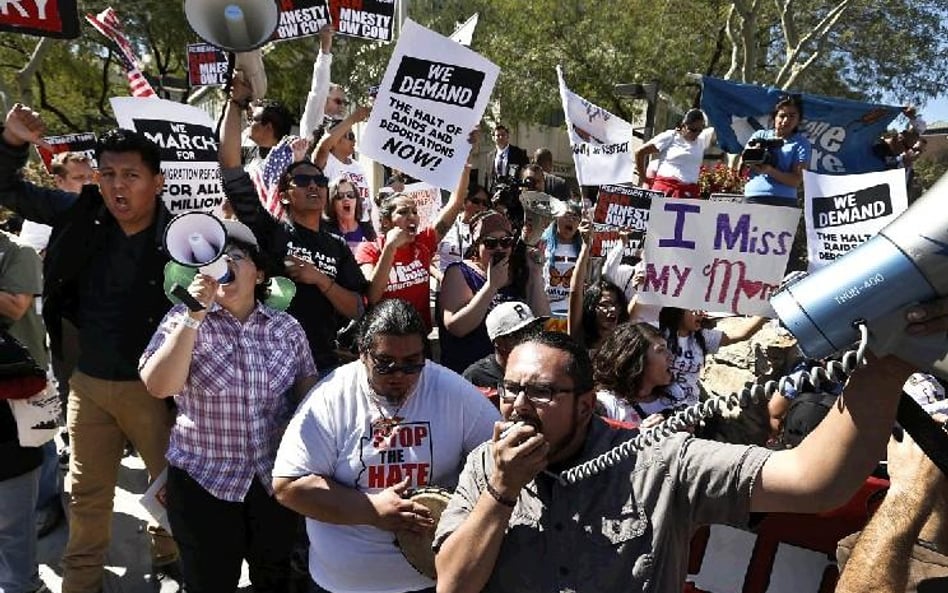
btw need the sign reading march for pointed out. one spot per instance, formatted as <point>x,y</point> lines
<point>716,256</point>
<point>366,19</point>
<point>843,211</point>
<point>601,142</point>
<point>188,145</point>
<point>433,93</point>
<point>301,18</point>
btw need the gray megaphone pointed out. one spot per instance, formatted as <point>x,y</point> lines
<point>233,25</point>
<point>197,240</point>
<point>876,283</point>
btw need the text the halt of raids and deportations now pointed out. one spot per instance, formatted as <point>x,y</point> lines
<point>843,211</point>
<point>716,256</point>
<point>433,94</point>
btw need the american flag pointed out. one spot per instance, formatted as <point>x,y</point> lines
<point>266,175</point>
<point>108,23</point>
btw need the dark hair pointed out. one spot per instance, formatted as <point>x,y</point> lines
<point>669,320</point>
<point>277,115</point>
<point>621,359</point>
<point>475,188</point>
<point>121,140</point>
<point>591,300</point>
<point>501,127</point>
<point>691,116</point>
<point>579,367</point>
<point>531,168</point>
<point>59,161</point>
<point>542,155</point>
<point>329,212</point>
<point>795,101</point>
<point>391,317</point>
<point>287,175</point>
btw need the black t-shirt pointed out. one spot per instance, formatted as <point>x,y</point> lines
<point>105,296</point>
<point>485,372</point>
<point>331,256</point>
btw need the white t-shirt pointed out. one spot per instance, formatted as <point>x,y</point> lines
<point>616,408</point>
<point>332,435</point>
<point>452,246</point>
<point>686,368</point>
<point>353,172</point>
<point>680,158</point>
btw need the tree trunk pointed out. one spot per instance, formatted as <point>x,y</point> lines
<point>24,76</point>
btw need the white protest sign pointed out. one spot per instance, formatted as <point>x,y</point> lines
<point>188,145</point>
<point>428,201</point>
<point>843,211</point>
<point>433,94</point>
<point>600,141</point>
<point>716,256</point>
<point>464,34</point>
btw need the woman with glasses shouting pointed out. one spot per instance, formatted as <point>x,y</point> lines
<point>344,214</point>
<point>680,153</point>
<point>494,272</point>
<point>329,285</point>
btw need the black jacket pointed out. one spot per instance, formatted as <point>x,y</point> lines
<point>81,222</point>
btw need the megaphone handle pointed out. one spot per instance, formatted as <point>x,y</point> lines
<point>185,297</point>
<point>925,431</point>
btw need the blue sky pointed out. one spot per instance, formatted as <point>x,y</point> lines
<point>936,110</point>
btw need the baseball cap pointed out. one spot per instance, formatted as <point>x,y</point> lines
<point>506,318</point>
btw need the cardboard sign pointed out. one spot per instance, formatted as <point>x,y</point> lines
<point>188,145</point>
<point>716,256</point>
<point>605,238</point>
<point>44,18</point>
<point>83,144</point>
<point>843,211</point>
<point>301,18</point>
<point>207,65</point>
<point>365,19</point>
<point>428,201</point>
<point>433,93</point>
<point>624,207</point>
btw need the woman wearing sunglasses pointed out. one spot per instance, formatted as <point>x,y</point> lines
<point>680,153</point>
<point>457,240</point>
<point>493,273</point>
<point>344,215</point>
<point>329,285</point>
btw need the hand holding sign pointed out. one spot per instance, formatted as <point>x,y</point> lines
<point>24,126</point>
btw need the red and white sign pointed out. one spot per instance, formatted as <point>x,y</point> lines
<point>45,18</point>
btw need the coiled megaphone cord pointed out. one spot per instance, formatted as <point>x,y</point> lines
<point>691,416</point>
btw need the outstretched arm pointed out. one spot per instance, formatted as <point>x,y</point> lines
<point>450,211</point>
<point>321,154</point>
<point>315,109</point>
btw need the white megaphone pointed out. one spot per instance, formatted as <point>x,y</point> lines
<point>233,25</point>
<point>197,240</point>
<point>876,283</point>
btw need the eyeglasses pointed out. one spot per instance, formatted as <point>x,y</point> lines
<point>537,394</point>
<point>388,367</point>
<point>304,179</point>
<point>607,307</point>
<point>495,242</point>
<point>339,101</point>
<point>346,195</point>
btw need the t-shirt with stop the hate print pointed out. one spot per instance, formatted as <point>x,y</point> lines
<point>410,275</point>
<point>345,432</point>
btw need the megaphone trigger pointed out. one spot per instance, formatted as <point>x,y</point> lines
<point>185,297</point>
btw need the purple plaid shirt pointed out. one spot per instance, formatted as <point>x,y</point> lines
<point>237,399</point>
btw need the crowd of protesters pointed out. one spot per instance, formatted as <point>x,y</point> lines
<point>260,412</point>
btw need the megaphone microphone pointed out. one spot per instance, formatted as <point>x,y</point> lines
<point>197,240</point>
<point>876,283</point>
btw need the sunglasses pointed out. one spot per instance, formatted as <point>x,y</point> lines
<point>339,101</point>
<point>346,195</point>
<point>304,179</point>
<point>351,137</point>
<point>495,242</point>
<point>388,367</point>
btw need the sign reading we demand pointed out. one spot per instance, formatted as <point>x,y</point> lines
<point>433,93</point>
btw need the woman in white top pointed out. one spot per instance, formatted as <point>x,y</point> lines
<point>681,152</point>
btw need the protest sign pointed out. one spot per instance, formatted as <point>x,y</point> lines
<point>83,144</point>
<point>841,131</point>
<point>301,18</point>
<point>433,94</point>
<point>620,207</point>
<point>207,65</point>
<point>44,18</point>
<point>600,141</point>
<point>464,34</point>
<point>726,197</point>
<point>365,19</point>
<point>428,201</point>
<point>188,145</point>
<point>716,256</point>
<point>605,238</point>
<point>843,211</point>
